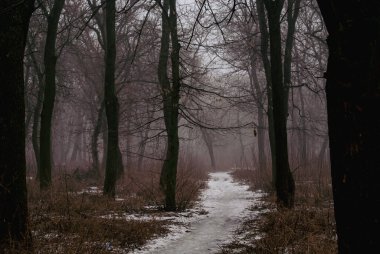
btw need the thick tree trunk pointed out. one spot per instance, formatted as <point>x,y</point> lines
<point>14,20</point>
<point>50,60</point>
<point>111,104</point>
<point>353,103</point>
<point>284,180</point>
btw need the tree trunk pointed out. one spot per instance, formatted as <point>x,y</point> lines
<point>128,140</point>
<point>291,16</point>
<point>94,142</point>
<point>284,180</point>
<point>267,68</point>
<point>37,110</point>
<point>210,147</point>
<point>50,60</point>
<point>260,140</point>
<point>170,95</point>
<point>14,20</point>
<point>36,125</point>
<point>142,146</point>
<point>302,132</point>
<point>260,116</point>
<point>353,102</point>
<point>111,104</point>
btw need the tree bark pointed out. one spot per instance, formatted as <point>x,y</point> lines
<point>353,102</point>
<point>170,95</point>
<point>50,60</point>
<point>285,187</point>
<point>111,104</point>
<point>14,20</point>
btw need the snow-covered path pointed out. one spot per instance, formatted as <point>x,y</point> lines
<point>227,203</point>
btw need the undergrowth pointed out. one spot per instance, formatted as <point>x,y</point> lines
<point>74,217</point>
<point>308,228</point>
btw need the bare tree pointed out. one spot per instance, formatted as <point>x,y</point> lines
<point>111,103</point>
<point>50,61</point>
<point>170,91</point>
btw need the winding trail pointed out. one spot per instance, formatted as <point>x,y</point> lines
<point>226,203</point>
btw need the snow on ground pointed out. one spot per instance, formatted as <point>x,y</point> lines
<point>225,203</point>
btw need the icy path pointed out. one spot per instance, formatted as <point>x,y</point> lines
<point>226,203</point>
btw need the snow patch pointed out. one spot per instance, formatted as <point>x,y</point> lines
<point>223,206</point>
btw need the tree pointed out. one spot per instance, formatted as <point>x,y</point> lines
<point>14,20</point>
<point>111,104</point>
<point>353,101</point>
<point>284,181</point>
<point>170,92</point>
<point>50,61</point>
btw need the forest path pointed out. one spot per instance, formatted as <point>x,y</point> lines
<point>226,203</point>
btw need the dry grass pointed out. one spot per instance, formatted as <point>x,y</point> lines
<point>66,219</point>
<point>308,228</point>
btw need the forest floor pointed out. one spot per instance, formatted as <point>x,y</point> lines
<point>225,205</point>
<point>307,228</point>
<point>221,212</point>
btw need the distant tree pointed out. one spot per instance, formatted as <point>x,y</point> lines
<point>353,103</point>
<point>14,20</point>
<point>209,141</point>
<point>50,61</point>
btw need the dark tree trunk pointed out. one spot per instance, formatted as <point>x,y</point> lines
<point>284,180</point>
<point>111,104</point>
<point>170,95</point>
<point>14,20</point>
<point>353,103</point>
<point>50,60</point>
<point>291,17</point>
